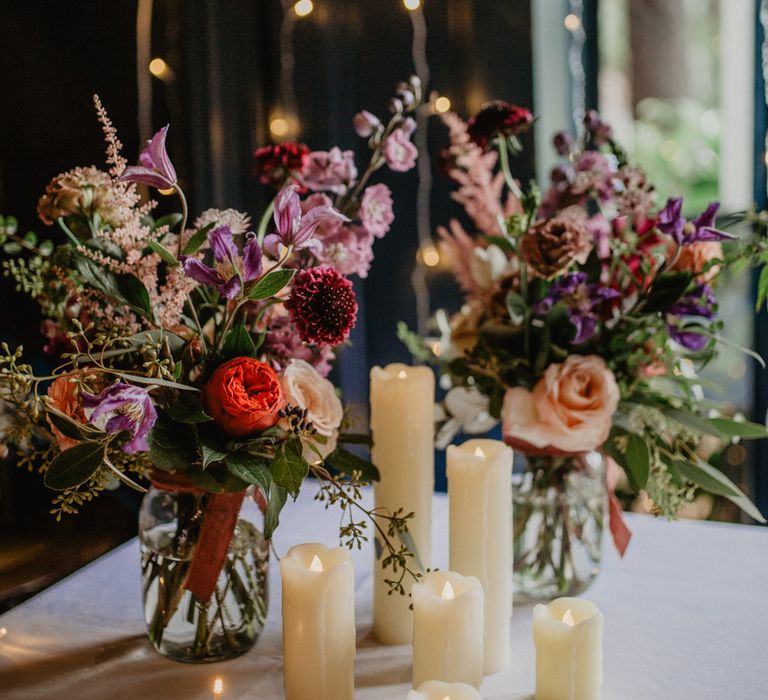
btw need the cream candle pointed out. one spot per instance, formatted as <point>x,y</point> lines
<point>318,623</point>
<point>447,629</point>
<point>480,516</point>
<point>568,634</point>
<point>437,690</point>
<point>402,424</point>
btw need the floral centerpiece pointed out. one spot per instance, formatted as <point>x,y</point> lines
<point>586,311</point>
<point>196,356</point>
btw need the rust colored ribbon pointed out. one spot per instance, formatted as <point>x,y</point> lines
<point>215,533</point>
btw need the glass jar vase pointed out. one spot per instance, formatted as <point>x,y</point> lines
<point>559,511</point>
<point>181,625</point>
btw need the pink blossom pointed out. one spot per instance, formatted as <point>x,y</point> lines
<point>376,210</point>
<point>399,152</point>
<point>329,171</point>
<point>283,344</point>
<point>365,123</point>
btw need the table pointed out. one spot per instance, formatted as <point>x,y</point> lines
<point>686,618</point>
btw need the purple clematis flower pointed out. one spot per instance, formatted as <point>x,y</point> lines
<point>700,303</point>
<point>156,169</point>
<point>293,228</point>
<point>583,301</point>
<point>124,407</point>
<point>226,274</point>
<point>672,222</point>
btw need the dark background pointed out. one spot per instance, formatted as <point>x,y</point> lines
<point>226,61</point>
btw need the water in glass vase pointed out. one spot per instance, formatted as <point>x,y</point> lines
<point>180,626</point>
<point>559,508</point>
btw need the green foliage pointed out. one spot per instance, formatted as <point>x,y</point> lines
<point>288,467</point>
<point>271,284</point>
<point>275,502</point>
<point>349,463</point>
<point>75,466</point>
<point>238,342</point>
<point>416,345</point>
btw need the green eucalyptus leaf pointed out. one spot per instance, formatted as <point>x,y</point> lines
<point>638,461</point>
<point>197,239</point>
<point>289,468</point>
<point>74,466</point>
<point>169,220</point>
<point>72,428</point>
<point>154,381</point>
<point>742,429</point>
<point>165,254</point>
<point>271,284</point>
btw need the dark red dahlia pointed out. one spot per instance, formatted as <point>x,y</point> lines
<point>496,118</point>
<point>273,164</point>
<point>322,306</point>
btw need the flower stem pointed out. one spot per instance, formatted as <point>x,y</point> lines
<point>264,221</point>
<point>184,216</point>
<point>504,165</point>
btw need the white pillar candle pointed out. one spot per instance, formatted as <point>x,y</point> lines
<point>480,506</point>
<point>318,623</point>
<point>447,629</point>
<point>568,634</point>
<point>402,425</point>
<point>437,690</point>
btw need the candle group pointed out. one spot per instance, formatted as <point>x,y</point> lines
<point>447,629</point>
<point>480,506</point>
<point>437,690</point>
<point>568,634</point>
<point>402,427</point>
<point>318,623</point>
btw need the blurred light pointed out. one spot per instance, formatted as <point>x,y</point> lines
<point>669,149</point>
<point>430,256</point>
<point>168,191</point>
<point>412,4</point>
<point>437,348</point>
<point>218,687</point>
<point>735,455</point>
<point>572,23</point>
<point>737,368</point>
<point>3,632</point>
<point>442,104</point>
<point>279,127</point>
<point>159,68</point>
<point>304,7</point>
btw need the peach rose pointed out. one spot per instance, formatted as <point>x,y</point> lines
<point>694,257</point>
<point>63,395</point>
<point>569,410</point>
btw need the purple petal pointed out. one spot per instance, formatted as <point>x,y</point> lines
<point>200,272</point>
<point>273,244</point>
<point>253,262</point>
<point>689,340</point>
<point>231,288</point>
<point>312,219</point>
<point>145,176</point>
<point>585,328</point>
<point>287,214</point>
<point>707,218</point>
<point>138,444</point>
<point>222,245</point>
<point>707,233</point>
<point>120,422</point>
<point>155,156</point>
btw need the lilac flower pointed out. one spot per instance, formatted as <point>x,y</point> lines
<point>156,169</point>
<point>399,152</point>
<point>699,303</point>
<point>225,275</point>
<point>294,228</point>
<point>376,210</point>
<point>672,222</point>
<point>582,299</point>
<point>124,407</point>
<point>329,171</point>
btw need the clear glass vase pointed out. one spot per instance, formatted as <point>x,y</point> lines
<point>559,511</point>
<point>180,626</point>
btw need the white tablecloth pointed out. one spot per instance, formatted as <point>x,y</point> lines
<point>686,618</point>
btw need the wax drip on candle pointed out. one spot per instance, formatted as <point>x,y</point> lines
<point>402,374</point>
<point>218,687</point>
<point>447,593</point>
<point>479,452</point>
<point>316,564</point>
<point>568,618</point>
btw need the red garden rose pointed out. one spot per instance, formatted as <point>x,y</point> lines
<point>243,396</point>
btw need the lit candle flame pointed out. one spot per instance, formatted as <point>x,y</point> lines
<point>447,697</point>
<point>402,374</point>
<point>568,618</point>
<point>316,564</point>
<point>218,687</point>
<point>3,632</point>
<point>479,452</point>
<point>447,593</point>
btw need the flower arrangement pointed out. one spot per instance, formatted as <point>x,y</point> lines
<point>586,309</point>
<point>197,355</point>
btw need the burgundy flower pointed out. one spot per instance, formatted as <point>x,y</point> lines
<point>498,117</point>
<point>156,169</point>
<point>322,306</point>
<point>274,164</point>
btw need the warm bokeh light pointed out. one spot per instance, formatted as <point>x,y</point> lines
<point>442,104</point>
<point>412,4</point>
<point>304,7</point>
<point>279,127</point>
<point>430,256</point>
<point>167,192</point>
<point>3,632</point>
<point>218,687</point>
<point>159,68</point>
<point>572,23</point>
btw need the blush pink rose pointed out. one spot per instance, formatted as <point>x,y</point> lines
<point>694,257</point>
<point>569,410</point>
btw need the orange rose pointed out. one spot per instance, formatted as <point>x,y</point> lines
<point>569,411</point>
<point>695,256</point>
<point>243,396</point>
<point>63,396</point>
